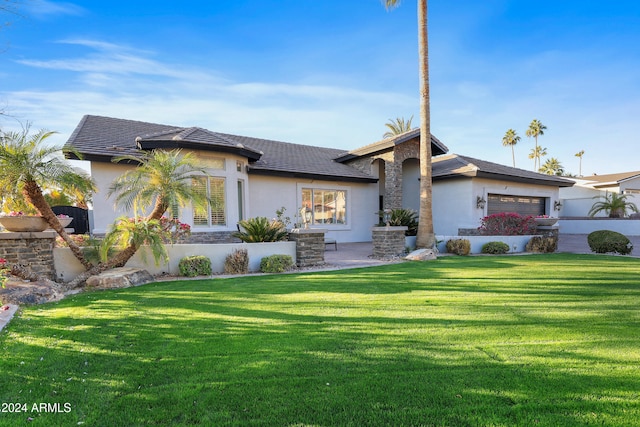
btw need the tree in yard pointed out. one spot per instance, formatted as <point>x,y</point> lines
<point>426,237</point>
<point>27,166</point>
<point>580,154</point>
<point>536,154</point>
<point>397,127</point>
<point>552,167</point>
<point>536,128</point>
<point>160,181</point>
<point>613,204</point>
<point>511,138</point>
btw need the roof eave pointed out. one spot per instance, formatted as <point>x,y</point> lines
<point>172,144</point>
<point>305,175</point>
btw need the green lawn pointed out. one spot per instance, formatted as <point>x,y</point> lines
<point>546,340</point>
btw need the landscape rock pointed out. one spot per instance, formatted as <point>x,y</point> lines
<point>117,278</point>
<point>421,255</point>
<point>20,292</point>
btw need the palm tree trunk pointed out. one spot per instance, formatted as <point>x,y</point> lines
<point>33,194</point>
<point>513,156</point>
<point>425,237</point>
<point>119,260</point>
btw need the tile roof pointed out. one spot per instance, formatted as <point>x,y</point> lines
<point>437,147</point>
<point>609,179</point>
<point>456,166</point>
<point>99,138</point>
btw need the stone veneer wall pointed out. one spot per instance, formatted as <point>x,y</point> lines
<point>388,242</point>
<point>34,250</point>
<point>309,246</point>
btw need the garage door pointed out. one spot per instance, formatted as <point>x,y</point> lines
<point>524,205</point>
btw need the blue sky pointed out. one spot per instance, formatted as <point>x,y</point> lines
<point>333,72</point>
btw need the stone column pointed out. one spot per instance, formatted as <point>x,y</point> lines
<point>309,246</point>
<point>31,249</point>
<point>388,242</point>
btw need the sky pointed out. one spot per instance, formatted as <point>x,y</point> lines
<point>331,73</point>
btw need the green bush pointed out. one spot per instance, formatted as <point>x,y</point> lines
<point>495,248</point>
<point>604,241</point>
<point>459,246</point>
<point>261,229</point>
<point>197,265</point>
<point>402,217</point>
<point>276,263</point>
<point>542,244</point>
<point>237,262</point>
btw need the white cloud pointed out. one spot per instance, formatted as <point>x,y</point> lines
<point>43,9</point>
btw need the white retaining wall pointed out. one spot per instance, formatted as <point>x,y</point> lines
<point>516,243</point>
<point>67,266</point>
<point>626,226</point>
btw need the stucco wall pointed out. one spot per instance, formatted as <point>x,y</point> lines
<point>105,211</point>
<point>269,194</point>
<point>454,201</point>
<point>68,267</point>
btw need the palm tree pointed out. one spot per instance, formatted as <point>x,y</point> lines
<point>536,154</point>
<point>511,138</point>
<point>27,166</point>
<point>580,154</point>
<point>552,167</point>
<point>614,204</point>
<point>161,181</point>
<point>536,128</point>
<point>397,127</point>
<point>426,237</point>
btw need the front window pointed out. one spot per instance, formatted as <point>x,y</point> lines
<point>327,206</point>
<point>214,213</point>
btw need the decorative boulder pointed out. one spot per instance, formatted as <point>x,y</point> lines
<point>116,278</point>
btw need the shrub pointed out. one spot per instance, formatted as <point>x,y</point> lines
<point>261,229</point>
<point>542,244</point>
<point>603,241</point>
<point>459,246</point>
<point>276,263</point>
<point>507,224</point>
<point>237,262</point>
<point>197,265</point>
<point>403,217</point>
<point>495,248</point>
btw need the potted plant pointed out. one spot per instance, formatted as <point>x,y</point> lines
<point>545,220</point>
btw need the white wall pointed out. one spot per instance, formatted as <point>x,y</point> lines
<point>105,211</point>
<point>68,267</point>
<point>454,201</point>
<point>452,207</point>
<point>268,194</point>
<point>628,227</point>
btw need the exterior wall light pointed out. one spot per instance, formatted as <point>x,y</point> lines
<point>480,202</point>
<point>557,205</point>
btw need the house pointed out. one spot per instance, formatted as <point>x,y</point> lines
<point>578,200</point>
<point>344,190</point>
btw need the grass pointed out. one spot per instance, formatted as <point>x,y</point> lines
<point>547,340</point>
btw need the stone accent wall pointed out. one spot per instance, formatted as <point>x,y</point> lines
<point>388,242</point>
<point>34,250</point>
<point>210,237</point>
<point>309,246</point>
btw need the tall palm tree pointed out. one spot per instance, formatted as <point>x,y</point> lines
<point>536,154</point>
<point>511,138</point>
<point>426,237</point>
<point>397,127</point>
<point>552,167</point>
<point>28,165</point>
<point>580,154</point>
<point>161,180</point>
<point>536,128</point>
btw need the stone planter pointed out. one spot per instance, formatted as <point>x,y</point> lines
<point>546,221</point>
<point>23,223</point>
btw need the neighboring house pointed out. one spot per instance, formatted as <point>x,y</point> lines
<point>252,177</point>
<point>578,200</point>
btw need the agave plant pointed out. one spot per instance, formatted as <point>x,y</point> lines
<point>260,229</point>
<point>613,204</point>
<point>403,217</point>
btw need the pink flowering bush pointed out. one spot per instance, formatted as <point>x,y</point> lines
<point>507,224</point>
